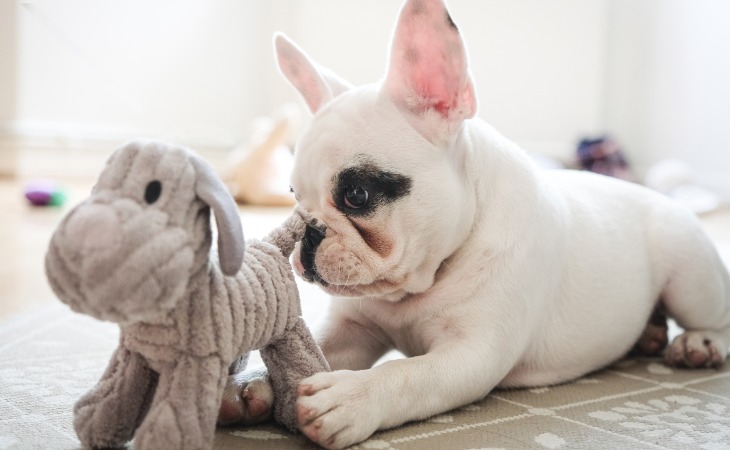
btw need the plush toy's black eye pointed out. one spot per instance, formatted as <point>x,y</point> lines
<point>153,191</point>
<point>355,197</point>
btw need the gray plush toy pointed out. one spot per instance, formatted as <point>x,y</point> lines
<point>138,253</point>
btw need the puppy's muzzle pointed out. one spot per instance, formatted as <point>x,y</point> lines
<point>312,238</point>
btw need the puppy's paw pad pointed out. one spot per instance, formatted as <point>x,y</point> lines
<point>697,349</point>
<point>246,402</point>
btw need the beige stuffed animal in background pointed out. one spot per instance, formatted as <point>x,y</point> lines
<point>138,253</point>
<point>258,171</point>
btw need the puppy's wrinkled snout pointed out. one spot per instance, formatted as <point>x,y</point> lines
<point>312,238</point>
<point>93,227</point>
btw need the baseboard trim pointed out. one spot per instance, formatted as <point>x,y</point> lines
<point>55,150</point>
<point>75,152</point>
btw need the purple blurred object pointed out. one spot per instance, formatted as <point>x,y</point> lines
<point>604,156</point>
<point>44,193</point>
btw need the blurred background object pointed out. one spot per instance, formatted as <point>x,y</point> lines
<point>678,180</point>
<point>257,171</point>
<point>603,155</point>
<point>44,192</point>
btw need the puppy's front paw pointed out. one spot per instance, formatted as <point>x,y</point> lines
<point>338,409</point>
<point>696,349</point>
<point>246,400</point>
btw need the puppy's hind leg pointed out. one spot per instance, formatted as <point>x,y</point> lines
<point>655,338</point>
<point>247,397</point>
<point>697,296</point>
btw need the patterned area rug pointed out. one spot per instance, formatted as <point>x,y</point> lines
<point>52,356</point>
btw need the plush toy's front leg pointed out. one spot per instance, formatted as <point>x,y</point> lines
<point>185,406</point>
<point>109,413</point>
<point>289,360</point>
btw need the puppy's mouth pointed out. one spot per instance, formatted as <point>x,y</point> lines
<point>312,238</point>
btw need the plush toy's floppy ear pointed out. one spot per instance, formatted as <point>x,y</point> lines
<point>428,64</point>
<point>212,191</point>
<point>316,84</point>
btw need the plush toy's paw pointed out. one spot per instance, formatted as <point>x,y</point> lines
<point>246,400</point>
<point>696,349</point>
<point>96,425</point>
<point>95,435</point>
<point>162,430</point>
<point>337,409</point>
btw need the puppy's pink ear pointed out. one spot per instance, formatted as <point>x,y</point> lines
<point>428,64</point>
<point>316,84</point>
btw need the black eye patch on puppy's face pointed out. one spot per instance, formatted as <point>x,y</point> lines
<point>360,190</point>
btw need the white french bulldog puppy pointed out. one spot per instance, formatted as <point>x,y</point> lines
<point>440,238</point>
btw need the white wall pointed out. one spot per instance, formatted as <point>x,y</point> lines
<point>183,69</point>
<point>199,71</point>
<point>8,85</point>
<point>650,72</point>
<point>668,90</point>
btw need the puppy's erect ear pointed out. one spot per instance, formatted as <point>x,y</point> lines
<point>212,191</point>
<point>428,64</point>
<point>316,84</point>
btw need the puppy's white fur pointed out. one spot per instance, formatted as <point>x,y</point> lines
<point>489,272</point>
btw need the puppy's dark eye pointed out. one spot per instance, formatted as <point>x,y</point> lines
<point>355,197</point>
<point>152,192</point>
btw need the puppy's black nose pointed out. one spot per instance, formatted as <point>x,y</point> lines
<point>312,238</point>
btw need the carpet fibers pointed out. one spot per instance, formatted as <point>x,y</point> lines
<point>50,357</point>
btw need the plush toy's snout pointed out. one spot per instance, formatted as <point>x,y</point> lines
<point>119,262</point>
<point>94,227</point>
